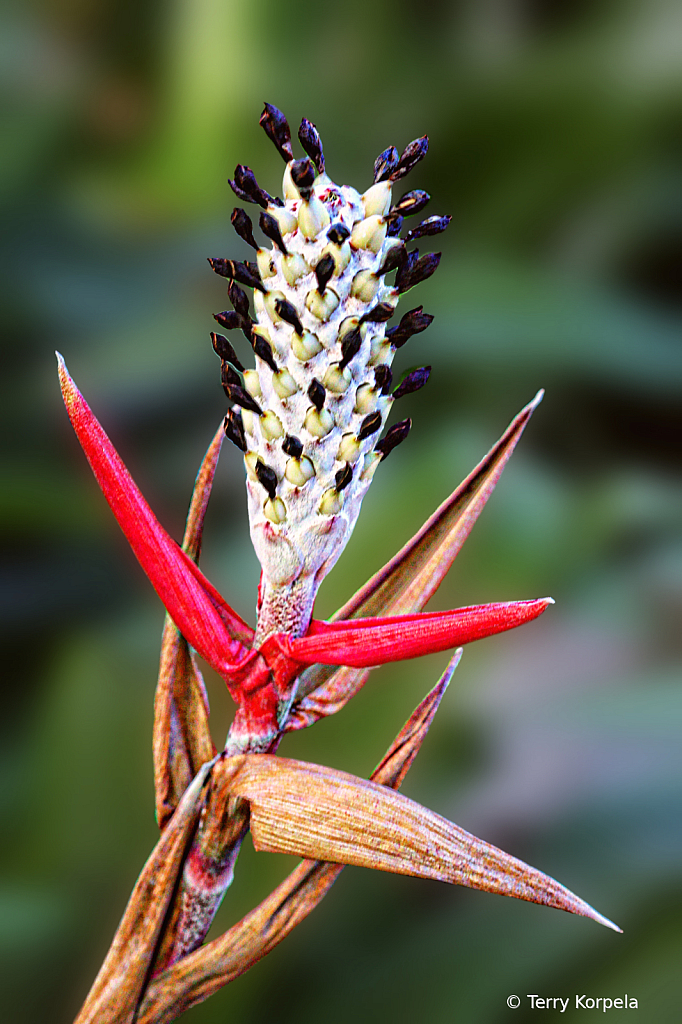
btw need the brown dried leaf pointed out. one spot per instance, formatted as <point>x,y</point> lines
<point>117,988</point>
<point>181,739</point>
<point>211,967</point>
<point>409,580</point>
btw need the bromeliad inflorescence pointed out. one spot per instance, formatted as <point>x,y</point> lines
<point>311,420</point>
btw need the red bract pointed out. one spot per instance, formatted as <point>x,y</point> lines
<point>260,678</point>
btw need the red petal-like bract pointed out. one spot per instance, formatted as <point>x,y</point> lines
<point>199,612</point>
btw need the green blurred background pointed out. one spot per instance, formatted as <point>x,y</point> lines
<point>555,137</point>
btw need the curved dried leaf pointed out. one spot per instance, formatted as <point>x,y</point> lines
<point>214,965</point>
<point>117,988</point>
<point>406,583</point>
<point>181,738</point>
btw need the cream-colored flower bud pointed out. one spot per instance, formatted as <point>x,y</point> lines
<point>377,199</point>
<point>263,333</point>
<point>275,510</point>
<point>294,266</point>
<point>370,465</point>
<point>252,383</point>
<point>341,255</point>
<point>318,423</point>
<point>285,218</point>
<point>322,306</point>
<point>349,449</point>
<point>348,325</point>
<point>365,285</point>
<point>271,426</point>
<point>331,502</point>
<point>306,346</point>
<point>380,350</point>
<point>289,190</point>
<point>247,420</point>
<point>337,380</point>
<point>284,384</point>
<point>265,264</point>
<point>366,399</point>
<point>269,303</point>
<point>299,471</point>
<point>250,461</point>
<point>369,234</point>
<point>313,217</point>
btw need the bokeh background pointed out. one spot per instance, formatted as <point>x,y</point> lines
<point>555,137</point>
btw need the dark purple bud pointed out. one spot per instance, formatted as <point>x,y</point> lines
<point>421,270</point>
<point>277,130</point>
<point>385,163</point>
<point>407,267</point>
<point>241,222</point>
<point>350,346</point>
<point>411,202</point>
<point>369,425</point>
<point>383,378</point>
<point>324,271</point>
<point>222,348</point>
<point>414,381</point>
<point>343,477</point>
<point>338,233</point>
<point>264,351</point>
<point>292,446</point>
<point>238,298</point>
<point>395,223</point>
<point>413,322</point>
<point>236,271</point>
<point>229,376</point>
<point>287,312</point>
<point>267,478</point>
<point>317,394</point>
<point>309,138</point>
<point>410,157</point>
<point>395,436</point>
<point>240,396</point>
<point>234,429</point>
<point>430,226</point>
<point>303,176</point>
<point>379,314</point>
<point>395,257</point>
<point>228,319</point>
<point>269,226</point>
<point>245,187</point>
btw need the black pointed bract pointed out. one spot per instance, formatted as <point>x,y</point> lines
<point>379,314</point>
<point>267,478</point>
<point>350,346</point>
<point>395,257</point>
<point>287,312</point>
<point>223,348</point>
<point>264,351</point>
<point>324,271</point>
<point>430,226</point>
<point>338,233</point>
<point>229,376</point>
<point>411,202</point>
<point>292,446</point>
<point>414,381</point>
<point>317,393</point>
<point>229,320</point>
<point>309,138</point>
<point>269,226</point>
<point>303,176</point>
<point>394,225</point>
<point>240,396</point>
<point>413,322</point>
<point>418,272</point>
<point>241,222</point>
<point>369,425</point>
<point>410,157</point>
<point>234,429</point>
<point>236,271</point>
<point>383,378</point>
<point>343,477</point>
<point>238,298</point>
<point>385,163</point>
<point>245,187</point>
<point>395,436</point>
<point>277,130</point>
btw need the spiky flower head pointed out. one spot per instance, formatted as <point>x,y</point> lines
<point>309,417</point>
